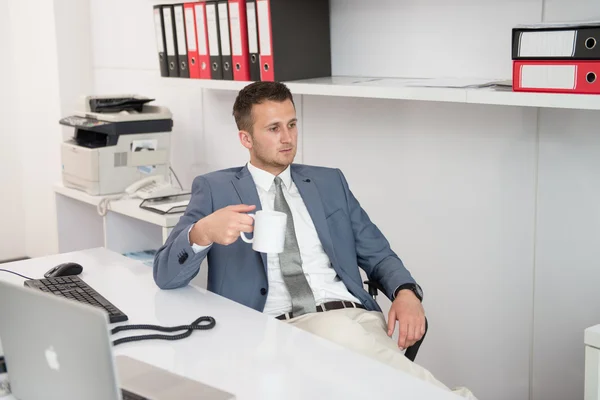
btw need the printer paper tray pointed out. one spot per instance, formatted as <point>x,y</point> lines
<point>142,158</point>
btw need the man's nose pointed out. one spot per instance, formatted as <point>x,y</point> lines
<point>286,136</point>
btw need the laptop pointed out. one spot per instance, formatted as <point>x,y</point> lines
<point>60,349</point>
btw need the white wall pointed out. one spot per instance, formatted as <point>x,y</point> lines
<point>74,54</point>
<point>49,69</point>
<point>454,196</point>
<point>567,298</point>
<point>12,230</point>
<point>568,230</point>
<point>494,209</point>
<point>37,110</point>
<point>427,38</point>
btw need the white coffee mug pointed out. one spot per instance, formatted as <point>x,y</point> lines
<point>269,231</point>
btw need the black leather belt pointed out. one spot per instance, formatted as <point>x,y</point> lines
<point>331,305</point>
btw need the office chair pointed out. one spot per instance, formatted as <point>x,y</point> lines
<point>411,351</point>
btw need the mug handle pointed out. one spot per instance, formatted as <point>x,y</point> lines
<point>242,234</point>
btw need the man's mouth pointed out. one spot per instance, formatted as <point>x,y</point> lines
<point>285,150</point>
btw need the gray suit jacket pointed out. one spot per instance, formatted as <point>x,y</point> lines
<point>239,273</point>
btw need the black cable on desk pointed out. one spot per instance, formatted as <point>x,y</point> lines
<point>202,323</point>
<point>16,273</point>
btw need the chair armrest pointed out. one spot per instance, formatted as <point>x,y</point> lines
<point>373,287</point>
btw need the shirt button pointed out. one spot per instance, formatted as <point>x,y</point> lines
<point>263,291</point>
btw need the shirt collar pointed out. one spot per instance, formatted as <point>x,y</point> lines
<point>264,179</point>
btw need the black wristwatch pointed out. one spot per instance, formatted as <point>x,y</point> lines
<point>415,288</point>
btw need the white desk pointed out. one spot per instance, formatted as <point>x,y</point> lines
<point>592,363</point>
<point>247,353</point>
<point>126,227</point>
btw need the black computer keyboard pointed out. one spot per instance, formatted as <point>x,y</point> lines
<point>72,287</point>
<point>125,395</point>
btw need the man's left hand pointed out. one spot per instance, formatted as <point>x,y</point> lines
<point>408,311</point>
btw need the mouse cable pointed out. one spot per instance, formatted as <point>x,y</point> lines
<point>16,273</point>
<point>202,323</point>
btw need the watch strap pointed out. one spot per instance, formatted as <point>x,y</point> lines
<point>415,288</point>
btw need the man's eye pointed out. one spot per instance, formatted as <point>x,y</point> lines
<point>273,129</point>
<point>293,125</point>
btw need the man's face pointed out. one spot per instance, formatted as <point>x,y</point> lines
<point>273,141</point>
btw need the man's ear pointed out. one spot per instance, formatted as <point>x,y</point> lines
<point>245,139</point>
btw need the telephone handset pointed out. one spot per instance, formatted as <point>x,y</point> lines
<point>153,186</point>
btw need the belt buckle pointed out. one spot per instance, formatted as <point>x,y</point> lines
<point>285,316</point>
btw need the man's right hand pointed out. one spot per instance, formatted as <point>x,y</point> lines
<point>223,226</point>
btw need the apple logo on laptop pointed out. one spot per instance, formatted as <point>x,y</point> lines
<point>52,359</point>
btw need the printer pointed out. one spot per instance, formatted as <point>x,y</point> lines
<point>117,141</point>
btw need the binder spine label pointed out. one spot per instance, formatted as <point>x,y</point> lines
<point>548,76</point>
<point>158,29</point>
<point>252,30</point>
<point>179,24</point>
<point>547,44</point>
<point>236,30</point>
<point>264,27</point>
<point>169,32</point>
<point>201,30</point>
<point>189,27</point>
<point>224,30</point>
<point>211,22</point>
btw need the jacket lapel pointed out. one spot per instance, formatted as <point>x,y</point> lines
<point>314,204</point>
<point>246,189</point>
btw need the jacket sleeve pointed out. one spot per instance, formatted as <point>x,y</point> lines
<point>373,251</point>
<point>176,263</point>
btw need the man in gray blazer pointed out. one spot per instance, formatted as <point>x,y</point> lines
<point>315,284</point>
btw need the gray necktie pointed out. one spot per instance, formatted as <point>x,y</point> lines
<point>290,261</point>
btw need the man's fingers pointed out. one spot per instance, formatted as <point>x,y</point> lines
<point>421,328</point>
<point>391,322</point>
<point>245,219</point>
<point>245,228</point>
<point>241,208</point>
<point>410,337</point>
<point>402,335</point>
<point>418,334</point>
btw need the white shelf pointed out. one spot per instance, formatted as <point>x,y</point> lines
<point>592,336</point>
<point>404,89</point>
<point>128,207</point>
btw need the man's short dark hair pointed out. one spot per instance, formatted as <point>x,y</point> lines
<point>256,93</point>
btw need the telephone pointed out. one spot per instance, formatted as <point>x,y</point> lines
<point>153,186</point>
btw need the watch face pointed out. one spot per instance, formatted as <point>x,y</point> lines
<point>419,291</point>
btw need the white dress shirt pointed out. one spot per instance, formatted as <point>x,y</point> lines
<point>322,278</point>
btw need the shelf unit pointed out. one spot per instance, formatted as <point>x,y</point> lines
<point>125,227</point>
<point>407,89</point>
<point>127,207</point>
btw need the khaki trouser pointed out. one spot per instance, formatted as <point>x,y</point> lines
<point>366,332</point>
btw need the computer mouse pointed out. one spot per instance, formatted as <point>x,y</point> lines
<point>65,269</point>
